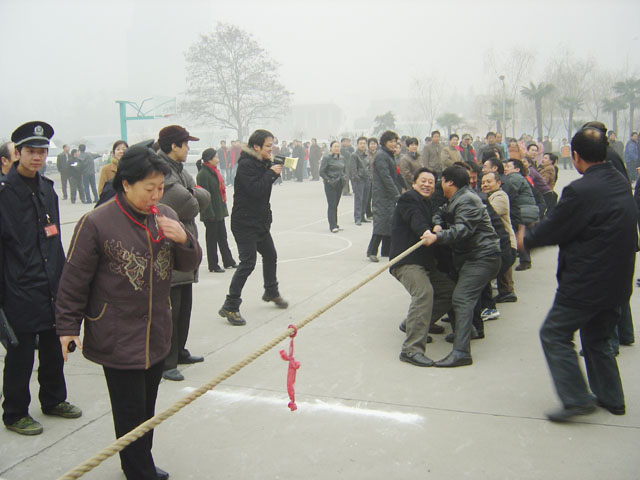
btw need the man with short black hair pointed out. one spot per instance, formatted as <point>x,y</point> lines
<point>432,154</point>
<point>251,224</point>
<point>31,262</point>
<point>489,149</point>
<point>430,289</point>
<point>360,176</point>
<point>188,200</point>
<point>464,224</point>
<point>86,162</point>
<point>594,224</point>
<point>7,157</point>
<point>62,164</point>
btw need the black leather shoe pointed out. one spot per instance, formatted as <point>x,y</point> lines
<point>564,414</point>
<point>616,410</point>
<point>523,266</point>
<point>161,474</point>
<point>435,328</point>
<point>417,359</point>
<point>173,374</point>
<point>217,269</point>
<point>455,359</point>
<point>190,359</point>
<point>235,265</point>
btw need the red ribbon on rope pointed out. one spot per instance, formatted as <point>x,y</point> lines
<point>291,373</point>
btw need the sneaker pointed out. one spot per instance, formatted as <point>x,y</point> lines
<point>278,300</point>
<point>26,426</point>
<point>335,230</point>
<point>234,318</point>
<point>64,410</point>
<point>489,314</point>
<point>373,258</point>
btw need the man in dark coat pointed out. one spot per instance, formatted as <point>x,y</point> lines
<point>31,261</point>
<point>251,224</point>
<point>182,195</point>
<point>299,153</point>
<point>315,154</point>
<point>594,223</point>
<point>384,195</point>
<point>62,164</point>
<point>86,160</point>
<point>430,289</point>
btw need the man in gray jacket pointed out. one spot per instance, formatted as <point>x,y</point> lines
<point>360,175</point>
<point>464,224</point>
<point>183,196</point>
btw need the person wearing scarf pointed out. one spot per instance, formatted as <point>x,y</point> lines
<point>210,178</point>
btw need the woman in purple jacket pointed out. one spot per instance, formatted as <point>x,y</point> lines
<point>117,279</point>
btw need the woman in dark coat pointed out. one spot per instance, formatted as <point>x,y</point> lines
<point>210,178</point>
<point>384,196</point>
<point>332,172</point>
<point>117,277</point>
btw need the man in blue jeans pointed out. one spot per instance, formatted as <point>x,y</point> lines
<point>464,224</point>
<point>594,223</point>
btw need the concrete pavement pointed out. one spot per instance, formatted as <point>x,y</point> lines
<point>362,414</point>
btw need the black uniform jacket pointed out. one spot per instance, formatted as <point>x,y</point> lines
<point>594,223</point>
<point>30,261</point>
<point>251,213</point>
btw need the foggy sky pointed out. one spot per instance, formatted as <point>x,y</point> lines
<point>66,62</point>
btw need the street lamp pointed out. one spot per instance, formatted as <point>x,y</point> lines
<point>504,108</point>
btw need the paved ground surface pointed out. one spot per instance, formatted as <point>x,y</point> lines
<point>362,414</point>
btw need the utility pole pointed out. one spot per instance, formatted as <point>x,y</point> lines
<point>504,109</point>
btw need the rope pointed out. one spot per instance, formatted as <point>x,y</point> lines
<point>122,442</point>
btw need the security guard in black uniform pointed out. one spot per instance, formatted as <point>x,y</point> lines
<point>31,261</point>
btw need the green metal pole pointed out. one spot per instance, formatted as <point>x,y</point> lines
<point>123,119</point>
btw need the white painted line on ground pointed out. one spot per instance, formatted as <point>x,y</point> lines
<point>317,406</point>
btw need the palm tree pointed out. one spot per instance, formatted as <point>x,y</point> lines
<point>571,104</point>
<point>629,92</point>
<point>536,94</point>
<point>613,106</point>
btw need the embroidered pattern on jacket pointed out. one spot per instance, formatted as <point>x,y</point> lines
<point>126,263</point>
<point>162,265</point>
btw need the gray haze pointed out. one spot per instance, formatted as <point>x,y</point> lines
<point>66,62</point>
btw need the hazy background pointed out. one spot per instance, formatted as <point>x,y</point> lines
<point>66,62</point>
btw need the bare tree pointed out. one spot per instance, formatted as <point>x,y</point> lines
<point>428,93</point>
<point>232,81</point>
<point>570,76</point>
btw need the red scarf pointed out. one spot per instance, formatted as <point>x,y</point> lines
<point>223,189</point>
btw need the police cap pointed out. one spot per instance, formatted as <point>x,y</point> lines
<point>33,134</point>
